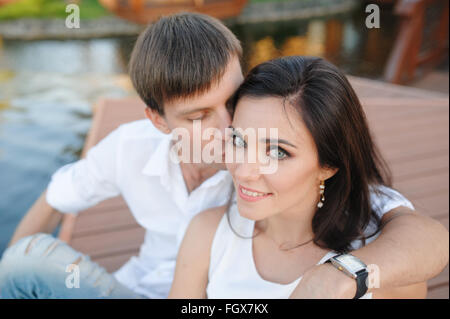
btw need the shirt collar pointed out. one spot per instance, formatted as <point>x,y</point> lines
<point>220,176</point>
<point>158,165</point>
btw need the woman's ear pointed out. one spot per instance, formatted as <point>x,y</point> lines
<point>157,119</point>
<point>327,172</point>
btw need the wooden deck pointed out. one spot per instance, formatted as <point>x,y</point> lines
<point>411,127</point>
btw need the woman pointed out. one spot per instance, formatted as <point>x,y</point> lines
<point>316,204</point>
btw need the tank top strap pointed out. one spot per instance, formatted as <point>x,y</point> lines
<point>231,231</point>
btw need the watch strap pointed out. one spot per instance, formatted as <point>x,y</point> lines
<point>361,283</point>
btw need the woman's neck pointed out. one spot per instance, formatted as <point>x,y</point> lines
<point>291,228</point>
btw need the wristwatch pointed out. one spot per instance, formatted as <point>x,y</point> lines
<point>354,268</point>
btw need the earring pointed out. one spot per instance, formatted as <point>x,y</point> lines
<point>321,192</point>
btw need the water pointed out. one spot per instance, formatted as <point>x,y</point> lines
<point>47,89</point>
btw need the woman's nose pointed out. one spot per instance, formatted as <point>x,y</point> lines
<point>247,171</point>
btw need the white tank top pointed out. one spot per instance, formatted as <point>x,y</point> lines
<point>232,271</point>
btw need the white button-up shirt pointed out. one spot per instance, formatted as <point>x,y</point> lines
<point>134,161</point>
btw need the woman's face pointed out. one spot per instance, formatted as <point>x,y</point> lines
<point>294,186</point>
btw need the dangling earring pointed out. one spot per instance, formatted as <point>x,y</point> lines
<point>321,192</point>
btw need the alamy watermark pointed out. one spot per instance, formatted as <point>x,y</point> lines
<point>373,280</point>
<point>73,19</point>
<point>73,279</point>
<point>373,19</point>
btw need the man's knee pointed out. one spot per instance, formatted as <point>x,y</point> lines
<point>33,261</point>
<point>27,245</point>
<point>28,256</point>
<point>13,261</point>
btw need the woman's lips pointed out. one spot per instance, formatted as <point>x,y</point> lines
<point>251,195</point>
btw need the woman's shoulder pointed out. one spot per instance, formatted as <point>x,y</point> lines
<point>195,245</point>
<point>203,226</point>
<point>209,218</point>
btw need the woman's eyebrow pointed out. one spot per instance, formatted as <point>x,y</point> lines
<point>267,140</point>
<point>279,141</point>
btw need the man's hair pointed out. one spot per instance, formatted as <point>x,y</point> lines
<point>180,56</point>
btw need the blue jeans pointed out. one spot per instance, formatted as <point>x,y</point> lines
<point>42,266</point>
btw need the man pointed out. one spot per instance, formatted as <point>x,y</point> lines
<point>184,68</point>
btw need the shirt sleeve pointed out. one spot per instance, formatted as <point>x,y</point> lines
<point>80,185</point>
<point>387,200</point>
<point>382,202</point>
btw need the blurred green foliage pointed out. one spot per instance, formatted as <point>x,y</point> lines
<point>89,9</point>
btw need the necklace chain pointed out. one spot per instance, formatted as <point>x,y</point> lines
<point>283,247</point>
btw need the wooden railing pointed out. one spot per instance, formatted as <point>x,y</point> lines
<point>145,11</point>
<point>408,55</point>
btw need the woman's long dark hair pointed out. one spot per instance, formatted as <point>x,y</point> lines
<point>330,109</point>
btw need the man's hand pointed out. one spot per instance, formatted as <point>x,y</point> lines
<point>325,282</point>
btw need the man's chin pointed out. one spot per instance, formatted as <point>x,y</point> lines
<point>218,166</point>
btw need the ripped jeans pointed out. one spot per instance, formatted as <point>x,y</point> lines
<point>43,267</point>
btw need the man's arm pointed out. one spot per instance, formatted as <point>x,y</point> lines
<point>41,218</point>
<point>410,249</point>
<point>74,187</point>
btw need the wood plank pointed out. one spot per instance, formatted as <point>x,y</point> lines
<point>406,102</point>
<point>438,293</point>
<point>112,203</point>
<point>106,221</point>
<point>403,110</point>
<point>440,279</point>
<point>413,123</point>
<point>114,262</point>
<point>374,88</point>
<point>398,153</point>
<point>405,152</point>
<point>423,185</point>
<point>420,166</point>
<point>434,205</point>
<point>110,243</point>
<point>404,137</point>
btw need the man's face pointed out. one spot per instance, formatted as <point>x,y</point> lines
<point>208,109</point>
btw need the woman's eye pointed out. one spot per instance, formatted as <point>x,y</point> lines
<point>277,153</point>
<point>238,141</point>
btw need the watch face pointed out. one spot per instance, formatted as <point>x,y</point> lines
<point>350,262</point>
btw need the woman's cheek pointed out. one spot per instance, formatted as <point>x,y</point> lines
<point>291,177</point>
<point>231,167</point>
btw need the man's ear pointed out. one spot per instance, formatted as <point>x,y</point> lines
<point>157,119</point>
